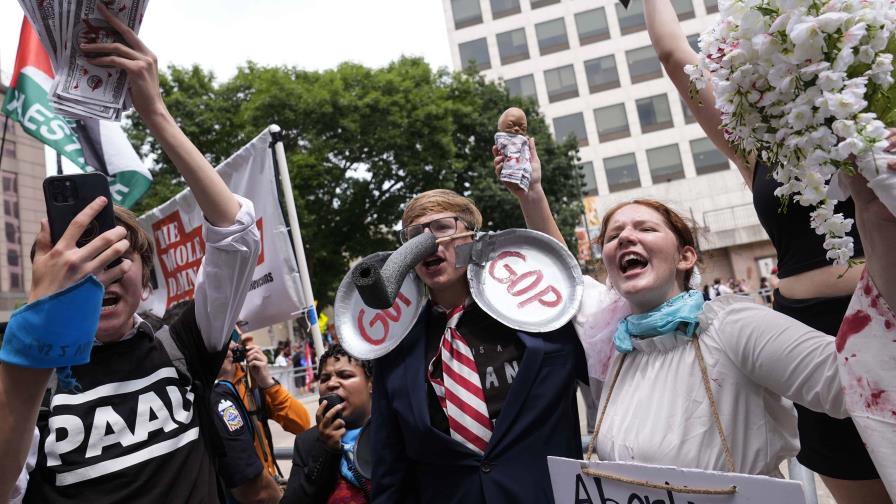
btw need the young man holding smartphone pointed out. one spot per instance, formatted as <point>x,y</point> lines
<point>131,431</point>
<point>466,409</point>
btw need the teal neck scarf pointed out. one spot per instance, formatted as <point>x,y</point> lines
<point>682,310</point>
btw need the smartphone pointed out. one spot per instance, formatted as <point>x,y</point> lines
<point>67,195</point>
<point>332,400</point>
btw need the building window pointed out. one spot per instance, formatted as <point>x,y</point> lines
<point>643,64</point>
<point>601,73</point>
<point>523,87</point>
<point>592,26</point>
<point>9,149</point>
<point>12,257</point>
<point>12,233</point>
<point>684,9</point>
<point>502,8</point>
<point>712,6</point>
<point>466,13</point>
<point>686,111</point>
<point>475,53</point>
<point>10,183</point>
<point>537,4</point>
<point>15,281</point>
<point>561,83</point>
<point>631,19</point>
<point>551,36</point>
<point>707,158</point>
<point>622,172</point>
<point>694,42</point>
<point>589,182</point>
<point>665,164</point>
<point>654,113</point>
<point>612,123</point>
<point>512,46</point>
<point>573,124</point>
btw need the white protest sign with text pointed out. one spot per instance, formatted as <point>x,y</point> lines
<point>176,230</point>
<point>572,485</point>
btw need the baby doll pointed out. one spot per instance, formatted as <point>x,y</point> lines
<point>513,142</point>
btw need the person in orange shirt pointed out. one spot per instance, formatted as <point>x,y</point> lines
<point>278,404</point>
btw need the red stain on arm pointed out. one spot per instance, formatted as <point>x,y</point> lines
<point>852,325</point>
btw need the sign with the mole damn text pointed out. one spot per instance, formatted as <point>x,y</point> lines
<point>178,245</point>
<point>650,484</point>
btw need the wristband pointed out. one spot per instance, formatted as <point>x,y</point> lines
<point>276,382</point>
<point>57,330</point>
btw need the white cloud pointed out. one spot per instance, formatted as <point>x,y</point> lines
<point>313,34</point>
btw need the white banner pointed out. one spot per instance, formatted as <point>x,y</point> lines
<point>176,229</point>
<point>649,484</point>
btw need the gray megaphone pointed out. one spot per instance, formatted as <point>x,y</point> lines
<point>378,283</point>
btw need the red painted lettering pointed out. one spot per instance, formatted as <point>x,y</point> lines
<point>535,275</point>
<point>382,318</point>
<point>541,297</point>
<point>511,273</point>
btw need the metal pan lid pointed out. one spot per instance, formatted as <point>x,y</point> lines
<point>525,279</point>
<point>367,333</point>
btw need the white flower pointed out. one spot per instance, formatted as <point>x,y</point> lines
<point>831,21</point>
<point>852,36</point>
<point>800,117</point>
<point>843,60</point>
<point>830,81</point>
<point>844,105</point>
<point>882,69</point>
<point>849,145</point>
<point>844,128</point>
<point>866,55</point>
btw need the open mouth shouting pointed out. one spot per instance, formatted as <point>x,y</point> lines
<point>632,262</point>
<point>110,301</point>
<point>432,263</point>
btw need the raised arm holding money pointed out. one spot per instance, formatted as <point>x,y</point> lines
<point>137,428</point>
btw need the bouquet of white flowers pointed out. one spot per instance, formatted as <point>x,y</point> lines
<point>805,85</point>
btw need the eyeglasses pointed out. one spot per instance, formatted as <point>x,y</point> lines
<point>440,228</point>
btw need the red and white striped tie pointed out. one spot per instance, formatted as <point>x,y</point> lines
<point>460,389</point>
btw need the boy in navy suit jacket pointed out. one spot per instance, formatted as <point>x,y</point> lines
<point>527,382</point>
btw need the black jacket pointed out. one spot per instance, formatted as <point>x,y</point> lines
<point>315,470</point>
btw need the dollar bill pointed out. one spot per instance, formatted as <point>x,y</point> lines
<point>84,81</point>
<point>80,89</point>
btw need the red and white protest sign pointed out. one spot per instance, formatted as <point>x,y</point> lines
<point>176,228</point>
<point>368,333</point>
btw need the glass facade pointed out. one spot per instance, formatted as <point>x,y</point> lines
<point>601,73</point>
<point>654,113</point>
<point>561,83</point>
<point>622,172</point>
<point>665,164</point>
<point>551,36</point>
<point>512,46</point>
<point>475,53</point>
<point>612,122</point>
<point>573,124</point>
<point>707,159</point>
<point>643,64</point>
<point>592,26</point>
<point>466,13</point>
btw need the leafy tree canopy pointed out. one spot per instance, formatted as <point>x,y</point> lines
<point>360,143</point>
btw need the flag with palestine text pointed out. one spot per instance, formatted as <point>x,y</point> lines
<point>91,145</point>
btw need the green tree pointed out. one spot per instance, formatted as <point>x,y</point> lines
<point>360,143</point>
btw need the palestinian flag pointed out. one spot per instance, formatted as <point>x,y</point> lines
<point>91,145</point>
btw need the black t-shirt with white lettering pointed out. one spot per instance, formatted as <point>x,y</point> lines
<point>132,432</point>
<point>496,349</point>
